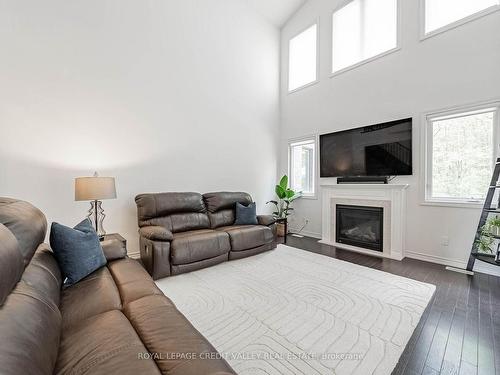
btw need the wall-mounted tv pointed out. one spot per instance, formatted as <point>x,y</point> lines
<point>375,150</point>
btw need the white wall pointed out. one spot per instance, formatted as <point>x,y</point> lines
<point>164,95</point>
<point>460,66</point>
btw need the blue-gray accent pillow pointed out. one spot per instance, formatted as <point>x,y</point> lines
<point>246,215</point>
<point>77,250</point>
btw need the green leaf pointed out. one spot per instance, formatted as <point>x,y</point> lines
<point>289,193</point>
<point>284,182</point>
<point>280,192</point>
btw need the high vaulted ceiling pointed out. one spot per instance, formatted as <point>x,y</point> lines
<point>276,11</point>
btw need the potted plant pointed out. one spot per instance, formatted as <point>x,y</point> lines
<point>483,244</point>
<point>285,197</point>
<point>489,232</point>
<point>492,226</point>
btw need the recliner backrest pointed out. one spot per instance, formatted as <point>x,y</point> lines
<point>177,212</point>
<point>221,206</point>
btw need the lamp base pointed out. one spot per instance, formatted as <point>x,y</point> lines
<point>96,216</point>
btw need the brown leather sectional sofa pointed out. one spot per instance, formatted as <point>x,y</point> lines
<point>115,321</point>
<point>182,232</point>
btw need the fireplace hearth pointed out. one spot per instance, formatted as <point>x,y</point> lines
<point>360,226</point>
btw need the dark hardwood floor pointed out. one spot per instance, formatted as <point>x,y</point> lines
<point>459,332</point>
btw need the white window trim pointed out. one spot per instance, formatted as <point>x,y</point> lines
<point>308,138</point>
<point>426,152</point>
<point>315,22</point>
<point>453,25</point>
<point>370,59</point>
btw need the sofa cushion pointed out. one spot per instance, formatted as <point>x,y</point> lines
<point>174,211</point>
<point>43,274</point>
<point>162,204</point>
<point>103,344</point>
<point>11,262</point>
<point>26,222</point>
<point>165,330</point>
<point>221,218</point>
<point>195,245</point>
<point>77,250</point>
<point>30,321</point>
<point>225,200</point>
<point>221,206</point>
<point>244,237</point>
<point>95,294</point>
<point>132,280</point>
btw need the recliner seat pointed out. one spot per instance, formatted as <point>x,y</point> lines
<point>182,232</point>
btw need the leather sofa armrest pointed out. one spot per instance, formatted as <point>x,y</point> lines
<point>113,249</point>
<point>156,233</point>
<point>266,219</point>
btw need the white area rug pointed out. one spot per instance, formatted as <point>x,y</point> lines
<point>290,311</point>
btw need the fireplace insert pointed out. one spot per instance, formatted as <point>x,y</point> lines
<point>360,226</point>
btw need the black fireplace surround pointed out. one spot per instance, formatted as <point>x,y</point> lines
<point>360,226</point>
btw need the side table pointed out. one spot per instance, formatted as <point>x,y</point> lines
<point>114,246</point>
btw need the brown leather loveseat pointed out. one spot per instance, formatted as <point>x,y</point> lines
<point>115,321</point>
<point>182,232</point>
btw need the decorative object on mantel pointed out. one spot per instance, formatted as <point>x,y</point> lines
<point>94,189</point>
<point>486,245</point>
<point>363,180</point>
<point>285,197</point>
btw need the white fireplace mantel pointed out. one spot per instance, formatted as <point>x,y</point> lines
<point>391,197</point>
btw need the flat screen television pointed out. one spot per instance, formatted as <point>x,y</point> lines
<point>375,150</point>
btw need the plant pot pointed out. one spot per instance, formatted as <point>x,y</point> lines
<point>280,229</point>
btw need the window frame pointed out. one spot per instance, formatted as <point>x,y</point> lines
<point>370,59</point>
<point>305,139</point>
<point>472,17</point>
<point>316,80</point>
<point>426,151</point>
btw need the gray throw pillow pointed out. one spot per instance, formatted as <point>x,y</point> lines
<point>77,250</point>
<point>246,215</point>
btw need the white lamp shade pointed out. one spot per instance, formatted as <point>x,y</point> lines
<point>94,188</point>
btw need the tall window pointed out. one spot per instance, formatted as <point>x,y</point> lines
<point>440,13</point>
<point>363,29</point>
<point>302,58</point>
<point>302,160</point>
<point>461,149</point>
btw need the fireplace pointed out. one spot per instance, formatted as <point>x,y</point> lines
<point>360,226</point>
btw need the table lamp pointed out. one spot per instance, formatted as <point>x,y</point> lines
<point>94,189</point>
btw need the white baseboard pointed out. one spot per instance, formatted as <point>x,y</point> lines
<point>305,233</point>
<point>436,259</point>
<point>459,270</point>
<point>134,255</point>
<point>478,265</point>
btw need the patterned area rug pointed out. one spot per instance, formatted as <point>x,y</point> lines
<point>290,311</point>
